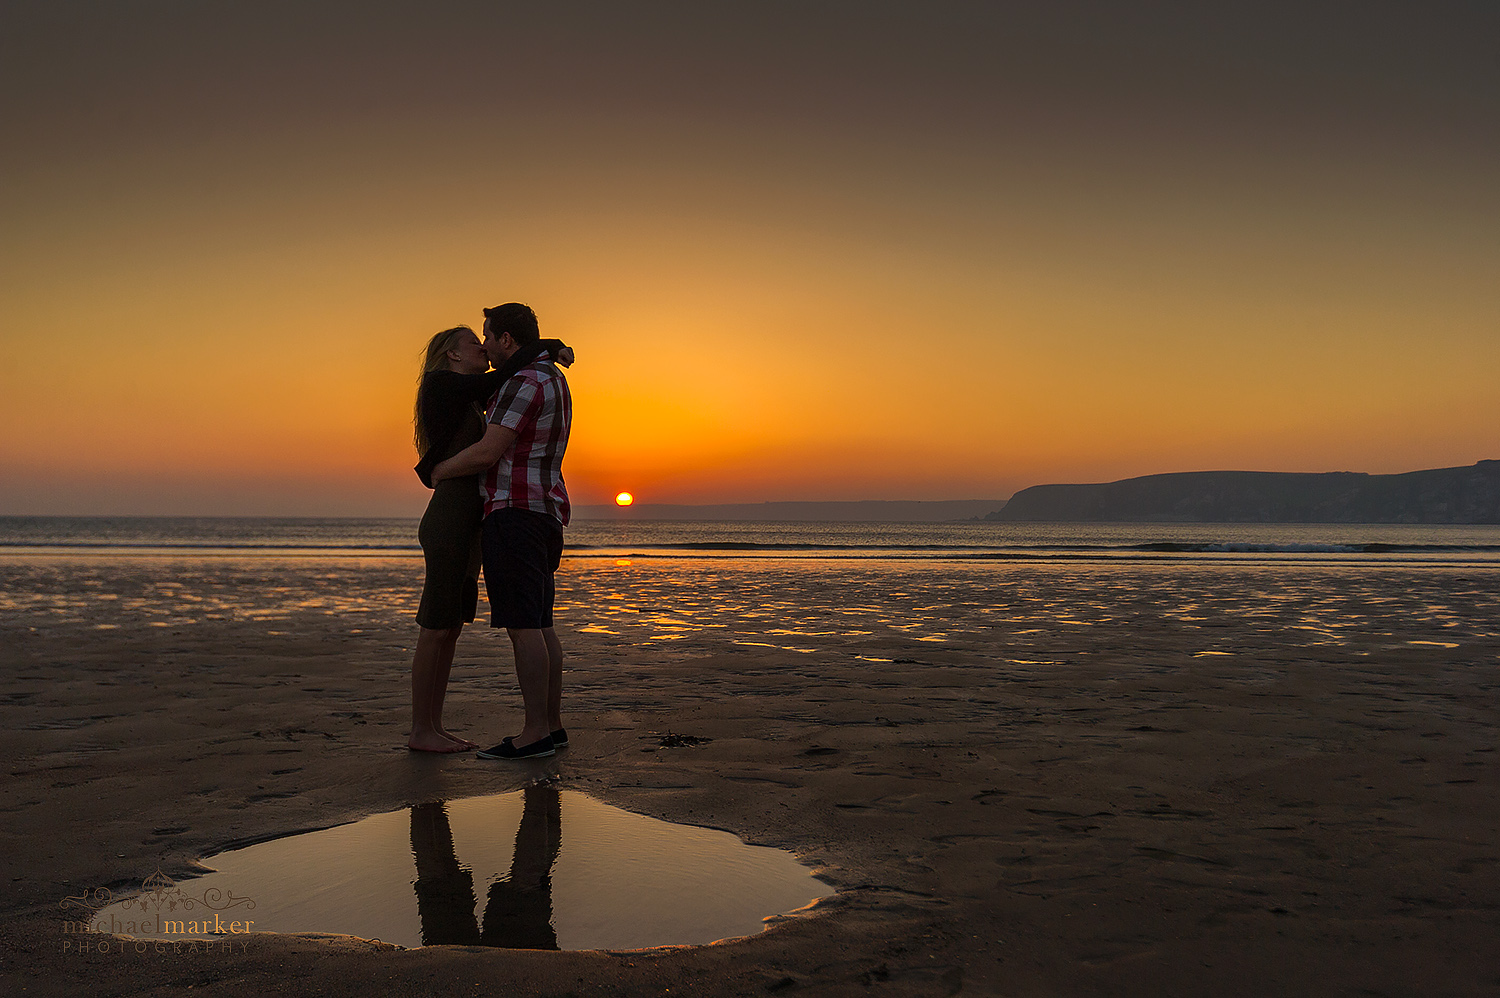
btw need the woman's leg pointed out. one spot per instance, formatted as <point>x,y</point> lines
<point>440,687</point>
<point>429,683</point>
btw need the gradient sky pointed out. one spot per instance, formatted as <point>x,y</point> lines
<point>804,250</point>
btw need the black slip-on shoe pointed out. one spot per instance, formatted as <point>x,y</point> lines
<point>559,739</point>
<point>506,750</point>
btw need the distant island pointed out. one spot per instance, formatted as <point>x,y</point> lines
<point>1441,495</point>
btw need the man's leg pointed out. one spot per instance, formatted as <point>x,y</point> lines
<point>522,550</point>
<point>533,672</point>
<point>554,679</point>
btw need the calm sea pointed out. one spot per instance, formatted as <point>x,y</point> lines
<point>973,541</point>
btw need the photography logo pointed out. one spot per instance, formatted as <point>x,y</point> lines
<point>161,916</point>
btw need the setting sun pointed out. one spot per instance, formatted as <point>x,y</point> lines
<point>624,499</point>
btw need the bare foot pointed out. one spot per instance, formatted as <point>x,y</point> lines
<point>461,740</point>
<point>436,743</point>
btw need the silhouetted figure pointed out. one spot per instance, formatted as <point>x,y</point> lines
<point>519,912</point>
<point>445,890</point>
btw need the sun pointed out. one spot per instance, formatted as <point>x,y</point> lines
<point>624,499</point>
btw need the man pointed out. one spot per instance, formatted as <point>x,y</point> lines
<point>525,509</point>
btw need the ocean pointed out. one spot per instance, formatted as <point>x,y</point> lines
<point>971,541</point>
<point>202,594</point>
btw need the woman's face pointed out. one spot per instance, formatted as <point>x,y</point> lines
<point>467,355</point>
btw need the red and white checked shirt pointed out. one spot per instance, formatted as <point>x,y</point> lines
<point>534,402</point>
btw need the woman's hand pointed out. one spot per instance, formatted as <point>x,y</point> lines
<point>565,356</point>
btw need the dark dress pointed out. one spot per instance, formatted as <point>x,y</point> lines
<point>449,532</point>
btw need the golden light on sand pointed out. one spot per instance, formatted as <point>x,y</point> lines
<point>624,499</point>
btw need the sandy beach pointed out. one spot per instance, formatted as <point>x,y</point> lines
<point>1059,779</point>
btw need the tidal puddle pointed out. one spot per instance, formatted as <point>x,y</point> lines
<point>540,868</point>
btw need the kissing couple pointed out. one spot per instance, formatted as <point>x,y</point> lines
<point>492,418</point>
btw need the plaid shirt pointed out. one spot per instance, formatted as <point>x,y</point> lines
<point>535,402</point>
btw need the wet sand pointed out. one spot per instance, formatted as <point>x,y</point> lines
<point>1062,779</point>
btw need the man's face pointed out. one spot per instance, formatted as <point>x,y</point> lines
<point>497,348</point>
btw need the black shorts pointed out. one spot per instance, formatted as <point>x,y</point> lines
<point>522,549</point>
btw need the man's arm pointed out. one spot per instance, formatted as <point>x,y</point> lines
<point>478,456</point>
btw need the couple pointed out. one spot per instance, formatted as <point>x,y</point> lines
<point>498,499</point>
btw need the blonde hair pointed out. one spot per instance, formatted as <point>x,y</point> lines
<point>435,358</point>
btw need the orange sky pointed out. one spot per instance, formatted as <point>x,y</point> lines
<point>946,255</point>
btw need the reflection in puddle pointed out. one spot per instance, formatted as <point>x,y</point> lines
<point>455,873</point>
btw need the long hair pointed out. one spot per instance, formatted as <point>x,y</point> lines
<point>434,358</point>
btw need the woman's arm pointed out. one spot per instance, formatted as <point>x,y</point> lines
<point>560,351</point>
<point>477,387</point>
<point>460,389</point>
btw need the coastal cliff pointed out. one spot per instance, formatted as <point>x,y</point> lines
<point>1441,495</point>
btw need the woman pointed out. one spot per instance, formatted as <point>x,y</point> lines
<point>448,419</point>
